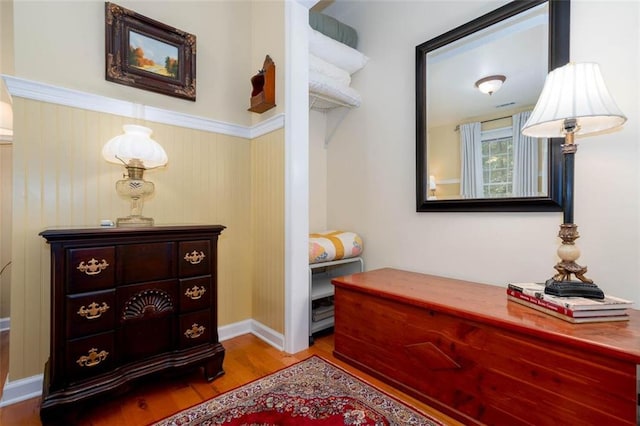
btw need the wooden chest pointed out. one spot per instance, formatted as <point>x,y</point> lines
<point>466,350</point>
<point>127,303</point>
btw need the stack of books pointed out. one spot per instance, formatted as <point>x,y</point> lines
<point>322,309</point>
<point>321,313</point>
<point>572,309</point>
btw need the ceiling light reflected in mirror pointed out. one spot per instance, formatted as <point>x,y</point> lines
<point>490,85</point>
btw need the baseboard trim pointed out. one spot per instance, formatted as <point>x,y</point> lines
<point>31,387</point>
<point>254,327</point>
<point>21,390</point>
<point>267,334</point>
<point>236,329</point>
<point>5,324</point>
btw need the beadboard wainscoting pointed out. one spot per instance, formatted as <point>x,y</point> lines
<point>218,172</point>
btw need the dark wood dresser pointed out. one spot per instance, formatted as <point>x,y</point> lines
<point>127,303</point>
<point>466,350</point>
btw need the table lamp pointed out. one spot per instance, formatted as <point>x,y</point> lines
<point>574,102</point>
<point>138,152</point>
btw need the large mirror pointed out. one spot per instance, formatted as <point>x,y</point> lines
<point>470,154</point>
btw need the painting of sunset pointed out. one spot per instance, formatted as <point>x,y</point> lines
<point>151,55</point>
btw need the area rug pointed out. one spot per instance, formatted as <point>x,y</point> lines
<point>311,392</point>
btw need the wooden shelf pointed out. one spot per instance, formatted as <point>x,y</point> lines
<point>320,286</point>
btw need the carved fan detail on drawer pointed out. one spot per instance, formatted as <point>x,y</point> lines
<point>147,302</point>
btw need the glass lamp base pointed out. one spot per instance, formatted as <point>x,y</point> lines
<point>134,221</point>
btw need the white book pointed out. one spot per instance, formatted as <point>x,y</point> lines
<point>573,303</point>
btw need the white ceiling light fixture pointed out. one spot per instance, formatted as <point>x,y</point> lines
<point>491,84</point>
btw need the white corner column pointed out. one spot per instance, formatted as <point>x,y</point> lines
<point>296,216</point>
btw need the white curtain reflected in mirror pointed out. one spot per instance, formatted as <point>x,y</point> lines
<point>471,180</point>
<point>528,170</point>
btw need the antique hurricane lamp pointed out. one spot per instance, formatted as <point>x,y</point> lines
<point>137,152</point>
<point>574,102</point>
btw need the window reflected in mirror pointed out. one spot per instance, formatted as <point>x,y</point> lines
<point>489,159</point>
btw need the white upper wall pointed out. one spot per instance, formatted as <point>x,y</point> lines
<point>267,38</point>
<point>317,172</point>
<point>371,158</point>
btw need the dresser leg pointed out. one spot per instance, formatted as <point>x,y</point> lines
<point>213,368</point>
<point>59,416</point>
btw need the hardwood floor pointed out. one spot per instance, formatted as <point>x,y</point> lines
<point>247,358</point>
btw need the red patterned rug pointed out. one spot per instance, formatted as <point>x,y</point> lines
<point>311,392</point>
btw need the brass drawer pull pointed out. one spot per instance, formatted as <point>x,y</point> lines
<point>194,257</point>
<point>195,331</point>
<point>195,292</point>
<point>93,311</point>
<point>94,358</point>
<point>92,267</point>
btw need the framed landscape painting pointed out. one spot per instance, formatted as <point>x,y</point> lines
<point>144,53</point>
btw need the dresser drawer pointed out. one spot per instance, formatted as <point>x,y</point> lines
<point>194,258</point>
<point>195,328</point>
<point>195,293</point>
<point>90,356</point>
<point>90,313</point>
<point>90,269</point>
<point>143,339</point>
<point>146,262</point>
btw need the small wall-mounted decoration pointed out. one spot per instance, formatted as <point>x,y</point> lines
<point>147,54</point>
<point>263,95</point>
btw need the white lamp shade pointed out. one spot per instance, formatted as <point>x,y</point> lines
<point>576,90</point>
<point>135,143</point>
<point>6,119</point>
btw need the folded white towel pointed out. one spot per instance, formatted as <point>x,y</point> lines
<point>326,87</point>
<point>336,53</point>
<point>321,66</point>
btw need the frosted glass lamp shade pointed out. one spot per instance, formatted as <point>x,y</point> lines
<point>135,144</point>
<point>6,119</point>
<point>574,91</point>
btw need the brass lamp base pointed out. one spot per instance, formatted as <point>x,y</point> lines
<point>561,283</point>
<point>134,221</point>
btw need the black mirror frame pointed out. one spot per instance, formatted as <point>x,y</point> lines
<point>559,23</point>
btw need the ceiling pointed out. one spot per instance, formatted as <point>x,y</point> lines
<point>516,48</point>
